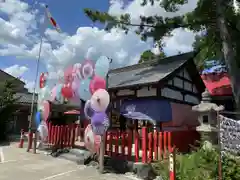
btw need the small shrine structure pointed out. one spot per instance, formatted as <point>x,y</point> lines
<point>208,119</point>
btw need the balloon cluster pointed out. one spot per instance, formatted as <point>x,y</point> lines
<point>82,81</point>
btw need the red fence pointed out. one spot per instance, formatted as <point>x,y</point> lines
<point>63,136</point>
<point>133,145</point>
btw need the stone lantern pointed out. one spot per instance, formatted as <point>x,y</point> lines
<point>207,117</point>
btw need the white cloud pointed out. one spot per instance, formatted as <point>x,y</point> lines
<point>135,9</point>
<point>16,70</point>
<point>61,50</point>
<point>16,29</point>
<point>181,39</point>
<point>30,86</point>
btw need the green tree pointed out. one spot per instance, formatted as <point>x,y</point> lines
<point>216,18</point>
<point>7,107</point>
<point>149,55</point>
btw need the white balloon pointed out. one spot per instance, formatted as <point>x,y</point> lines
<point>86,107</point>
<point>100,100</point>
<point>76,70</point>
<point>43,130</point>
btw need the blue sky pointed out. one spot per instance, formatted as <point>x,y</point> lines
<point>69,16</point>
<point>78,39</point>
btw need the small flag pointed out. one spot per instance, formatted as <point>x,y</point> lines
<point>52,20</point>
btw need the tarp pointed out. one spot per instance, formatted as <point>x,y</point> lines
<point>146,109</point>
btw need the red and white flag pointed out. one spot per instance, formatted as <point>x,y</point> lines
<point>52,20</point>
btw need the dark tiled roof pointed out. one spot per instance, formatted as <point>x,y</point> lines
<point>7,76</point>
<point>25,98</point>
<point>149,72</point>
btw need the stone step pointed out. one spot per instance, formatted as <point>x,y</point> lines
<point>70,157</point>
<point>78,152</point>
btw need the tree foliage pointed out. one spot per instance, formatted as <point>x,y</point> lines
<point>7,101</point>
<point>215,21</point>
<point>202,18</point>
<point>149,55</point>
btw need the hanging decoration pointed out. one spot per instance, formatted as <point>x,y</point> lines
<point>67,91</point>
<point>99,103</point>
<point>38,118</point>
<point>43,131</point>
<point>75,87</point>
<point>91,140</point>
<point>46,110</point>
<point>84,81</point>
<point>52,20</point>
<point>102,66</point>
<point>100,100</point>
<point>87,69</point>
<point>96,83</point>
<point>77,71</point>
<point>68,75</point>
<point>43,79</point>
<point>59,97</point>
<point>53,93</point>
<point>84,92</point>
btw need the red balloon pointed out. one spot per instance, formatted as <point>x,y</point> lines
<point>67,92</point>
<point>97,83</point>
<point>42,80</point>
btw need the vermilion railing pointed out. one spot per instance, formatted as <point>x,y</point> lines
<point>138,146</point>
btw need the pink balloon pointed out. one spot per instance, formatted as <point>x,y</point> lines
<point>68,75</point>
<point>87,69</point>
<point>75,85</point>
<point>97,83</point>
<point>91,141</point>
<point>100,100</point>
<point>53,93</point>
<point>46,110</point>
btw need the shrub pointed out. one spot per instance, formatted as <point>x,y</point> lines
<point>200,165</point>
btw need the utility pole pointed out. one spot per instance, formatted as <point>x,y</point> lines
<point>30,133</point>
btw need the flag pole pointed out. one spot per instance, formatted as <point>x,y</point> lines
<point>30,128</point>
<point>33,97</point>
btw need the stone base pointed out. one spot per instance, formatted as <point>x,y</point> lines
<point>144,171</point>
<point>211,137</point>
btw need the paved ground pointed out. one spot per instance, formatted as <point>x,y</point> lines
<point>17,164</point>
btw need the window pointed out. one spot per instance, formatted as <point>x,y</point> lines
<point>205,119</point>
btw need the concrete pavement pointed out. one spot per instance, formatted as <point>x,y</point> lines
<point>17,164</point>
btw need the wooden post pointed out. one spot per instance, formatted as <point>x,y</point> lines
<point>35,142</point>
<point>172,163</point>
<point>21,139</point>
<point>30,140</point>
<point>102,153</point>
<point>220,148</point>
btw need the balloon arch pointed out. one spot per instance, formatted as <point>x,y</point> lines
<point>82,81</point>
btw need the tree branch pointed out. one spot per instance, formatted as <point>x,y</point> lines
<point>169,23</point>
